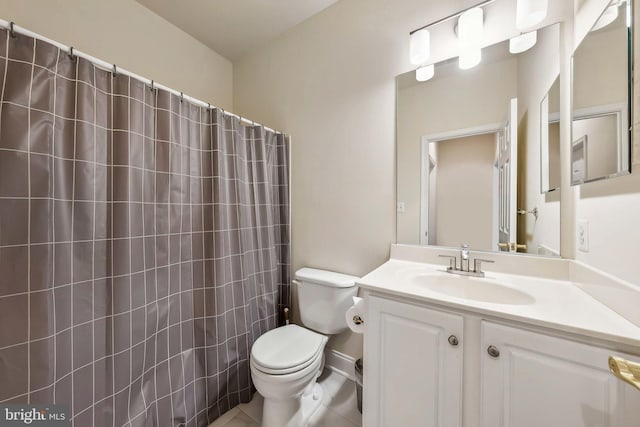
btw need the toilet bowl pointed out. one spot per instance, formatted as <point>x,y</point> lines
<point>285,372</point>
<point>287,361</point>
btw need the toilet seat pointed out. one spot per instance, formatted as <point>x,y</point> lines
<point>287,349</point>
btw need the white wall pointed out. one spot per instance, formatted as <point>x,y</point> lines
<point>128,34</point>
<point>464,194</point>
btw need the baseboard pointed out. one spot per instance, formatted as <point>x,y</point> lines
<point>340,363</point>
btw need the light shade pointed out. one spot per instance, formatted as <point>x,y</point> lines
<point>470,32</point>
<point>425,73</point>
<point>470,28</point>
<point>530,13</point>
<point>609,15</point>
<point>469,58</point>
<point>523,42</point>
<point>419,47</point>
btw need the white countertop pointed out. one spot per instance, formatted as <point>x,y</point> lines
<point>558,305</point>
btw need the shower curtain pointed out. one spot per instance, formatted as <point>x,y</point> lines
<point>144,244</point>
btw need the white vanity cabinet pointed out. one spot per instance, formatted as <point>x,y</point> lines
<point>412,365</point>
<point>534,380</point>
<point>417,364</point>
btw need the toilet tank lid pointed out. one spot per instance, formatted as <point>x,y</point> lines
<point>327,278</point>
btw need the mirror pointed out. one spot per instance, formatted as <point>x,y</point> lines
<point>601,94</point>
<point>550,139</point>
<point>468,152</point>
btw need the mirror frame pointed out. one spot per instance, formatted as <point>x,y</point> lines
<point>545,120</point>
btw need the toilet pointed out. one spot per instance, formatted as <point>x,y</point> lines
<point>286,361</point>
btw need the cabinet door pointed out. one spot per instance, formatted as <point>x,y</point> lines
<point>412,374</point>
<point>537,380</point>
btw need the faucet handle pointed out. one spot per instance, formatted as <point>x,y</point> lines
<point>477,264</point>
<point>452,260</point>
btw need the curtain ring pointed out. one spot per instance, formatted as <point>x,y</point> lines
<point>181,97</point>
<point>12,30</point>
<point>71,55</point>
<point>152,87</point>
<point>115,70</point>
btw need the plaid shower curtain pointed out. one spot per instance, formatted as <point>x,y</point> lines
<point>144,244</point>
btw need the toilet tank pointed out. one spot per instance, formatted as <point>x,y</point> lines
<point>324,297</point>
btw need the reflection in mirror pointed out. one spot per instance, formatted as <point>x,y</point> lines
<point>601,93</point>
<point>468,151</point>
<point>550,139</point>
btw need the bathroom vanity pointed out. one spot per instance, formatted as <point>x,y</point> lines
<point>525,350</point>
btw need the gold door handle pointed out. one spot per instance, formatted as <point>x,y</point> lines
<point>512,246</point>
<point>627,371</point>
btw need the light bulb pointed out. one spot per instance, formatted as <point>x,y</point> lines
<point>425,73</point>
<point>523,42</point>
<point>470,32</point>
<point>470,28</point>
<point>419,46</point>
<point>469,58</point>
<point>530,13</point>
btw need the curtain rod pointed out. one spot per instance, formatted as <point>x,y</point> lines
<point>12,28</point>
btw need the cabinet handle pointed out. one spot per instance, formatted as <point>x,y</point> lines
<point>453,340</point>
<point>493,351</point>
<point>625,370</point>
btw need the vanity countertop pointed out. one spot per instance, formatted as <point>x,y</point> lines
<point>557,304</point>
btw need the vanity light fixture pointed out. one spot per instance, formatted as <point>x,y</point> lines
<point>523,42</point>
<point>609,15</point>
<point>469,58</point>
<point>530,13</point>
<point>425,73</point>
<point>419,46</point>
<point>470,31</point>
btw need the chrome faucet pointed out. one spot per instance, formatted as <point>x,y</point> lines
<point>464,263</point>
<point>464,257</point>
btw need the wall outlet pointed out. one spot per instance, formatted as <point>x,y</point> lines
<point>400,207</point>
<point>582,232</point>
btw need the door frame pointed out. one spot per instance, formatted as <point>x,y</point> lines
<point>425,140</point>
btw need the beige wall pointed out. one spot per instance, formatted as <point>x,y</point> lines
<point>330,83</point>
<point>612,207</point>
<point>602,146</point>
<point>127,34</point>
<point>465,195</point>
<point>534,81</point>
<point>600,75</point>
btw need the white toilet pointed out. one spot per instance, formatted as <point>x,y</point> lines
<point>286,361</point>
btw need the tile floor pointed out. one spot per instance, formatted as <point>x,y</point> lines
<point>338,406</point>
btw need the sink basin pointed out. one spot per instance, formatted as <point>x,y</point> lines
<point>473,288</point>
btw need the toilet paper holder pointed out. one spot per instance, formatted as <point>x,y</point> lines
<point>358,320</point>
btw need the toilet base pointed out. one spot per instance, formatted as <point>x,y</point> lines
<point>292,412</point>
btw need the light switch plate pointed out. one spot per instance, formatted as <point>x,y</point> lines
<point>582,232</point>
<point>400,207</point>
